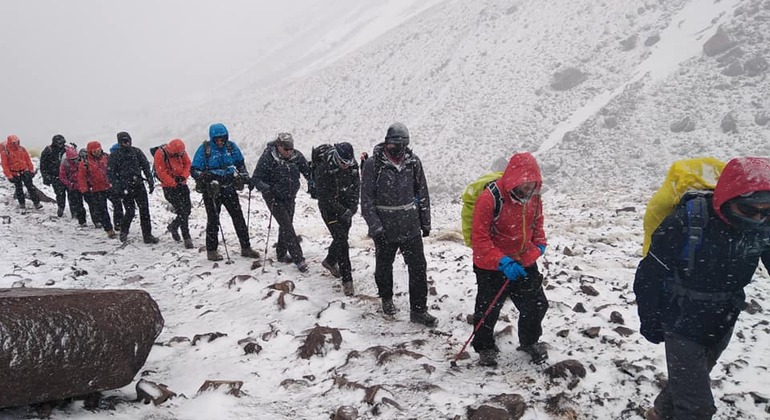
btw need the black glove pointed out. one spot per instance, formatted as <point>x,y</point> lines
<point>46,181</point>
<point>179,180</point>
<point>425,232</point>
<point>346,217</point>
<point>205,177</point>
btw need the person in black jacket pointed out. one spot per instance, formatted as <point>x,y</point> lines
<point>124,170</point>
<point>50,161</point>
<point>337,186</point>
<point>276,176</point>
<point>396,206</point>
<point>693,303</point>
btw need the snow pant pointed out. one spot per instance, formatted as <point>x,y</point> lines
<point>339,250</point>
<point>526,294</point>
<point>283,211</point>
<point>61,196</point>
<point>97,205</point>
<point>179,198</point>
<point>414,257</point>
<point>21,180</point>
<point>687,395</point>
<point>76,206</point>
<point>117,208</point>
<point>131,197</point>
<point>228,197</point>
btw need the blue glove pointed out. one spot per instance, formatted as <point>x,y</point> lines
<point>541,248</point>
<point>511,268</point>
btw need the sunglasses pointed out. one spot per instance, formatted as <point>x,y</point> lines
<point>752,211</point>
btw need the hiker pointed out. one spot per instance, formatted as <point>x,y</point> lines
<point>50,162</point>
<point>505,253</point>
<point>68,176</point>
<point>95,186</point>
<point>219,170</point>
<point>18,168</point>
<point>114,198</point>
<point>337,187</point>
<point>396,206</point>
<point>692,304</point>
<point>276,176</point>
<point>172,166</point>
<point>125,169</point>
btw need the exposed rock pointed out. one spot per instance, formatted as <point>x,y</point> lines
<point>731,56</point>
<point>734,69</point>
<point>592,332</point>
<point>147,391</point>
<point>565,368</point>
<point>315,340</point>
<point>589,290</point>
<point>728,124</point>
<point>756,66</point>
<point>617,318</point>
<point>629,43</point>
<point>651,40</point>
<point>753,307</point>
<point>207,337</point>
<point>718,43</point>
<point>610,122</point>
<point>579,308</point>
<point>250,345</point>
<point>567,79</point>
<point>487,412</point>
<point>625,332</point>
<point>232,387</point>
<point>65,343</point>
<point>345,412</point>
<point>562,333</point>
<point>684,125</point>
<point>762,118</point>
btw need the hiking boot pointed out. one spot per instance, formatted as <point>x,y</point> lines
<point>38,206</point>
<point>22,206</point>
<point>214,256</point>
<point>488,357</point>
<point>285,258</point>
<point>111,234</point>
<point>249,253</point>
<point>188,243</point>
<point>301,266</point>
<point>60,212</point>
<point>423,318</point>
<point>536,351</point>
<point>151,240</point>
<point>335,272</point>
<point>388,308</point>
<point>174,232</point>
<point>123,236</point>
<point>347,288</point>
<point>652,414</point>
<point>97,225</point>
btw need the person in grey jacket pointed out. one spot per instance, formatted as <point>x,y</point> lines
<point>396,206</point>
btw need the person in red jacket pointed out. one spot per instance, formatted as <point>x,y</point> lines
<point>172,167</point>
<point>18,168</point>
<point>505,253</point>
<point>93,183</point>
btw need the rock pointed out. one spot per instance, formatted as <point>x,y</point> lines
<point>731,56</point>
<point>762,118</point>
<point>684,125</point>
<point>567,79</point>
<point>579,308</point>
<point>487,412</point>
<point>625,332</point>
<point>207,337</point>
<point>728,124</point>
<point>734,69</point>
<point>589,290</point>
<point>592,332</point>
<point>610,122</point>
<point>65,343</point>
<point>651,40</point>
<point>568,252</point>
<point>617,318</point>
<point>753,307</point>
<point>629,43</point>
<point>756,66</point>
<point>232,387</point>
<point>147,391</point>
<point>718,43</point>
<point>565,368</point>
<point>346,412</point>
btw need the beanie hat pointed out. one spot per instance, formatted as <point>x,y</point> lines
<point>397,134</point>
<point>285,140</point>
<point>58,140</point>
<point>71,153</point>
<point>124,137</point>
<point>343,151</point>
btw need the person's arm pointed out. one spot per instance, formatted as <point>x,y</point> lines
<point>423,197</point>
<point>162,168</point>
<point>368,211</point>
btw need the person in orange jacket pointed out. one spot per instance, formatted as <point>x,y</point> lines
<point>93,183</point>
<point>18,168</point>
<point>505,253</point>
<point>172,167</point>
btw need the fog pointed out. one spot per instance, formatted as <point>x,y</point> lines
<point>88,68</point>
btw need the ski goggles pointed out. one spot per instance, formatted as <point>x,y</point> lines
<point>750,210</point>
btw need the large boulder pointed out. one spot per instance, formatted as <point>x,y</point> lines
<point>58,343</point>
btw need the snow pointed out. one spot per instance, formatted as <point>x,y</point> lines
<point>470,81</point>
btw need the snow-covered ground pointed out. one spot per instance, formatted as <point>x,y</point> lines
<point>472,81</point>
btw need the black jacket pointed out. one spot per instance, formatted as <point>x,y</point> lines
<point>702,305</point>
<point>50,161</point>
<point>394,198</point>
<point>337,189</point>
<point>277,176</point>
<point>126,166</point>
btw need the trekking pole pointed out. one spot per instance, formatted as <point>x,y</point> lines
<point>248,212</point>
<point>267,241</point>
<point>481,322</point>
<point>215,197</point>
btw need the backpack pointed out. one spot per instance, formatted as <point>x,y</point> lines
<point>165,158</point>
<point>471,194</point>
<point>689,183</point>
<point>318,156</point>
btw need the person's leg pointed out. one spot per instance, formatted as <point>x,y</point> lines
<point>183,208</point>
<point>117,208</point>
<point>18,186</point>
<point>232,203</point>
<point>283,213</point>
<point>384,256</point>
<point>212,222</point>
<point>529,298</point>
<point>129,207</point>
<point>140,197</point>
<point>339,250</point>
<point>100,200</point>
<point>488,284</point>
<point>26,178</point>
<point>76,206</point>
<point>61,196</point>
<point>414,257</point>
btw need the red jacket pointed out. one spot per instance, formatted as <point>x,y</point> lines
<point>519,226</point>
<point>741,176</point>
<point>172,162</point>
<point>92,173</point>
<point>15,158</point>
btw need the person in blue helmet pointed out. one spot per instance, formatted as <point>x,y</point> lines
<point>219,170</point>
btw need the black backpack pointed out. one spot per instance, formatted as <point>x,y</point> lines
<point>319,159</point>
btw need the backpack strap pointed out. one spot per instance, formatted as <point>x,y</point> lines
<point>492,187</point>
<point>697,217</point>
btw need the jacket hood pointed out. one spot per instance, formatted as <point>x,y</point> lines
<point>70,153</point>
<point>93,146</point>
<point>13,141</point>
<point>175,146</point>
<point>218,130</point>
<point>114,148</point>
<point>741,176</point>
<point>522,168</point>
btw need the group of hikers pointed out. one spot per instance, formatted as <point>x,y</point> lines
<point>689,292</point>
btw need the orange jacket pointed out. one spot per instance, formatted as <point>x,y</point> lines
<point>519,226</point>
<point>92,173</point>
<point>15,158</point>
<point>172,161</point>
